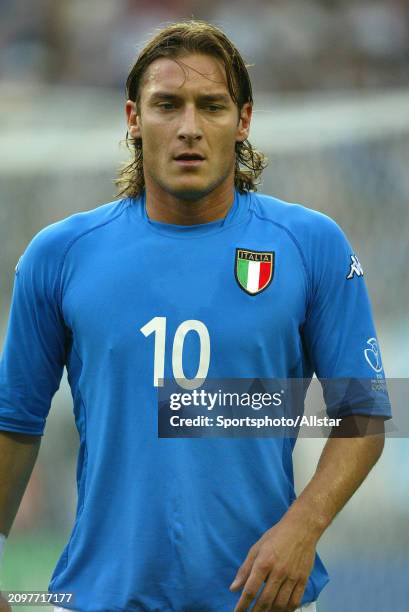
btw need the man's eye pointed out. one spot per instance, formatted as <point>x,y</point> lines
<point>166,105</point>
<point>214,107</point>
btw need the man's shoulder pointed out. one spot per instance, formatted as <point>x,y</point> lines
<point>289,214</point>
<point>72,227</point>
<point>293,217</point>
<point>53,241</point>
<point>63,232</point>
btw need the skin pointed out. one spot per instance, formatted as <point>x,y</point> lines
<point>283,557</point>
<point>183,120</point>
<point>18,454</point>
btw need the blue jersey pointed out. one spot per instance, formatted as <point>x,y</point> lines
<point>273,290</point>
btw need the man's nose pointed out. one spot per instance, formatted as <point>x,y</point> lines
<point>189,127</point>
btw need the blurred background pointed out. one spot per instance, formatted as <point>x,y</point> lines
<point>331,88</point>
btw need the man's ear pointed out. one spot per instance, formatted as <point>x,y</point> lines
<point>243,127</point>
<point>133,120</point>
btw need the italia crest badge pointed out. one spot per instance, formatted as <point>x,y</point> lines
<point>254,270</point>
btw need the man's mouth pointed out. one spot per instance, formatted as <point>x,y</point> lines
<point>189,159</point>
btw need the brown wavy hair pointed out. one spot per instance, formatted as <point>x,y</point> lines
<point>174,41</point>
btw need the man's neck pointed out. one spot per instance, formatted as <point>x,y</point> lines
<point>164,207</point>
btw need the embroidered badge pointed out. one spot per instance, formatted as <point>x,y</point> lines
<point>254,270</point>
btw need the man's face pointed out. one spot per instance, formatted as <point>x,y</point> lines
<point>189,126</point>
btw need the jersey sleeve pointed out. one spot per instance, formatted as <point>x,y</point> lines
<point>33,357</point>
<point>339,331</point>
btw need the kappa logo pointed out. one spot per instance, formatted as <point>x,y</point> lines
<point>355,268</point>
<point>254,270</point>
<point>17,268</point>
<point>372,355</point>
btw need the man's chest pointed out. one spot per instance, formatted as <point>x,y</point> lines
<point>188,302</point>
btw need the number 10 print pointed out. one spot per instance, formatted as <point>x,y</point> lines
<point>157,325</point>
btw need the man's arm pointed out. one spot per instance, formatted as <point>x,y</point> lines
<point>284,556</point>
<point>18,454</point>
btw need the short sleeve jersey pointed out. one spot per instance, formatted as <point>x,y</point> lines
<point>164,524</point>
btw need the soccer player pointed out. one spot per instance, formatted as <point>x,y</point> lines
<point>190,274</point>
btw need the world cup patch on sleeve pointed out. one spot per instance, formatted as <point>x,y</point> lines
<point>254,270</point>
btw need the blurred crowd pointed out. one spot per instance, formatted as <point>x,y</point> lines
<point>293,44</point>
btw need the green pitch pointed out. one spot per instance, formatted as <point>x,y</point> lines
<point>29,561</point>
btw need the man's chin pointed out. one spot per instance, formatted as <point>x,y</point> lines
<point>191,195</point>
<point>190,191</point>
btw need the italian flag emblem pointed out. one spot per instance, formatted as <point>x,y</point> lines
<point>254,270</point>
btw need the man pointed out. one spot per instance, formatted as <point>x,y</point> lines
<point>167,283</point>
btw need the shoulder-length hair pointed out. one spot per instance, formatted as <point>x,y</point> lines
<point>174,41</point>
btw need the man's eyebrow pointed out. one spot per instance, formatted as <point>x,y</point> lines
<point>215,97</point>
